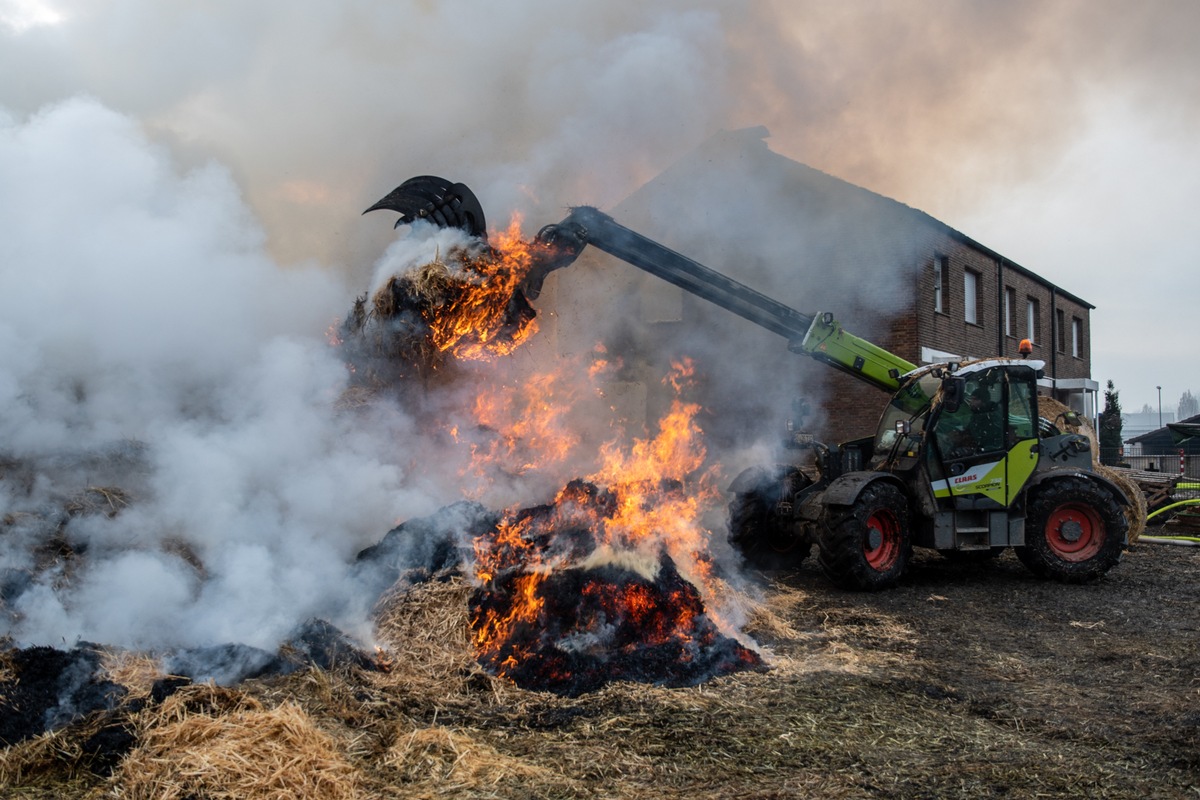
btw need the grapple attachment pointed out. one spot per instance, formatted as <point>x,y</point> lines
<point>436,200</point>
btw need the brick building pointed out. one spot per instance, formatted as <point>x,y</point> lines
<point>888,272</point>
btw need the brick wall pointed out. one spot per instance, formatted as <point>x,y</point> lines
<point>853,407</point>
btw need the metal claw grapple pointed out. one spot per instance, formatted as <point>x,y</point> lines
<point>436,200</point>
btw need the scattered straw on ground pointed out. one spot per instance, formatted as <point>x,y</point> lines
<point>245,754</point>
<point>454,762</point>
<point>105,500</point>
<point>923,691</point>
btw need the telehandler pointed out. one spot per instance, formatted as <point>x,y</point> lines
<point>960,462</point>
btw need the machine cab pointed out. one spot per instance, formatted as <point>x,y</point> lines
<point>981,446</point>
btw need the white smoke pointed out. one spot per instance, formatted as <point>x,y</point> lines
<point>142,317</point>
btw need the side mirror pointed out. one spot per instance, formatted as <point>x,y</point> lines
<point>1071,418</point>
<point>953,389</point>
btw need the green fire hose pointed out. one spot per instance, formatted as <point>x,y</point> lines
<point>1187,541</point>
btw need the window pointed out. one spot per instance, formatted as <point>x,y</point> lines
<point>1060,330</point>
<point>1010,305</point>
<point>1077,337</point>
<point>1032,323</point>
<point>941,283</point>
<point>971,296</point>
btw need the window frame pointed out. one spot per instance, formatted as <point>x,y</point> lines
<point>972,281</point>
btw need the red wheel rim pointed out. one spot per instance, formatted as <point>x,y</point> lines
<point>881,545</point>
<point>1075,532</point>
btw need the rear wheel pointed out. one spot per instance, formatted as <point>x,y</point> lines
<point>763,531</point>
<point>1074,531</point>
<point>867,546</point>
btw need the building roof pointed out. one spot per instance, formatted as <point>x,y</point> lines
<point>860,231</point>
<point>1163,440</point>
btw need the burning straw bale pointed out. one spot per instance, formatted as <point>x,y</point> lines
<point>594,626</point>
<point>465,306</point>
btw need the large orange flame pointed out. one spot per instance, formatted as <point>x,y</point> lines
<point>643,500</point>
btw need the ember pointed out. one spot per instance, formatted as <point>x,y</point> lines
<point>561,610</point>
<point>608,623</point>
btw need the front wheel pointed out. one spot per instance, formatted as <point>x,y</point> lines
<point>867,546</point>
<point>1074,531</point>
<point>758,529</point>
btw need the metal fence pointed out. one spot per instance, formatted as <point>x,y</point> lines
<point>1171,465</point>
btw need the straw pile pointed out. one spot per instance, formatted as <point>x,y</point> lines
<point>232,748</point>
<point>1137,509</point>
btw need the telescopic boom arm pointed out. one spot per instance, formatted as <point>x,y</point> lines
<point>819,336</point>
<point>453,204</point>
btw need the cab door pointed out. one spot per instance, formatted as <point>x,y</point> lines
<point>1020,429</point>
<point>980,447</point>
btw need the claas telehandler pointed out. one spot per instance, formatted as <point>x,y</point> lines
<point>960,461</point>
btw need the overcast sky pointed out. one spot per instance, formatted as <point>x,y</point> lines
<point>1061,133</point>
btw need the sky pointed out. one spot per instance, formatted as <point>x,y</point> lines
<point>181,188</point>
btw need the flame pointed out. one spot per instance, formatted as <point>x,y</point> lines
<point>529,425</point>
<point>478,323</point>
<point>643,501</point>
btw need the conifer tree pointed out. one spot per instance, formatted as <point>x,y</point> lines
<point>1189,406</point>
<point>1110,426</point>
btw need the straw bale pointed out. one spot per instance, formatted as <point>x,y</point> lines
<point>1137,509</point>
<point>426,628</point>
<point>249,754</point>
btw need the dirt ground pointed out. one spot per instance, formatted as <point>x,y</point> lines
<point>969,680</point>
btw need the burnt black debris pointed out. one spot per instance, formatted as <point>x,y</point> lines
<point>609,624</point>
<point>420,548</point>
<point>51,688</point>
<point>224,664</point>
<point>314,643</point>
<point>317,643</point>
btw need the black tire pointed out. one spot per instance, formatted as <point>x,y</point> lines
<point>1074,531</point>
<point>766,540</point>
<point>867,546</point>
